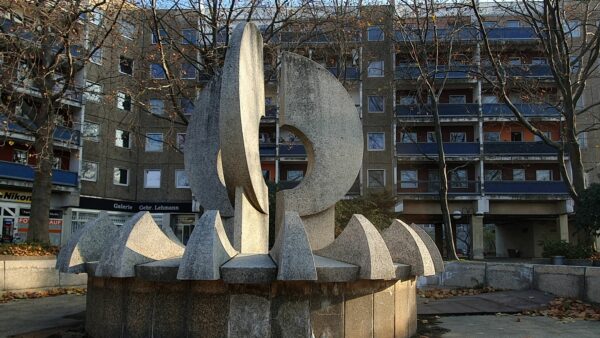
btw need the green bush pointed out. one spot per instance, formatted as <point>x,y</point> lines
<point>562,248</point>
<point>376,207</point>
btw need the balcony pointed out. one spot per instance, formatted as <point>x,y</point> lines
<point>443,34</point>
<point>518,148</point>
<point>430,149</point>
<point>61,133</point>
<point>511,34</point>
<point>522,71</point>
<point>292,150</point>
<point>433,187</point>
<point>525,187</point>
<point>21,172</point>
<point>455,72</point>
<point>529,110</point>
<point>350,73</point>
<point>444,109</point>
<point>71,95</point>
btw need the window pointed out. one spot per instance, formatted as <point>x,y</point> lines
<point>431,137</point>
<point>548,134</point>
<point>154,142</point>
<point>456,137</point>
<point>375,141</point>
<point>491,136</point>
<point>96,56</point>
<point>574,28</point>
<point>295,175</point>
<point>97,17</point>
<point>188,71</point>
<point>512,24</point>
<point>539,61</point>
<point>409,179</point>
<point>163,36</point>
<point>91,132</point>
<point>375,33</point>
<point>376,178</point>
<point>457,99</point>
<point>543,175</point>
<point>189,37</point>
<point>152,178</point>
<point>516,136</point>
<point>123,101</point>
<point>493,175</point>
<point>515,61</point>
<point>120,176</point>
<point>93,92</point>
<point>375,69</point>
<point>125,65</point>
<point>187,106</point>
<point>375,104</point>
<point>489,99</point>
<point>489,24</point>
<point>157,71</point>
<point>459,179</point>
<point>20,156</point>
<point>518,174</point>
<point>122,139</point>
<point>408,137</point>
<point>582,140</point>
<point>127,29</point>
<point>433,182</point>
<point>157,106</point>
<point>408,100</point>
<point>89,171</point>
<point>181,141</point>
<point>181,179</point>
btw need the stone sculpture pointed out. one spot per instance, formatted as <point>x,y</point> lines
<point>226,282</point>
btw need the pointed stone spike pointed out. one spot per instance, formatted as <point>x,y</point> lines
<point>207,249</point>
<point>407,247</point>
<point>361,244</point>
<point>434,252</point>
<point>87,244</point>
<point>292,251</point>
<point>140,240</point>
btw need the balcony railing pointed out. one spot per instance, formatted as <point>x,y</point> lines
<point>430,149</point>
<point>446,110</point>
<point>433,187</point>
<point>350,73</point>
<point>525,187</point>
<point>518,148</point>
<point>522,71</point>
<point>22,172</point>
<point>61,134</point>
<point>501,109</point>
<point>510,33</point>
<point>411,72</point>
<point>442,34</point>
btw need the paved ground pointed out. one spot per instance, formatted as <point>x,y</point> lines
<point>29,315</point>
<point>485,303</point>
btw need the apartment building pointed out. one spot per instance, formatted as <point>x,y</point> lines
<point>501,177</point>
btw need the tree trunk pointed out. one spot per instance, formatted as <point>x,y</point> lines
<point>442,170</point>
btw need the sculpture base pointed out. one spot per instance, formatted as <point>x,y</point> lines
<point>135,307</point>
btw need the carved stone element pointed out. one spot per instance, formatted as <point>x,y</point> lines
<point>434,252</point>
<point>87,244</point>
<point>140,240</point>
<point>361,244</point>
<point>317,108</point>
<point>207,249</point>
<point>292,251</point>
<point>407,247</point>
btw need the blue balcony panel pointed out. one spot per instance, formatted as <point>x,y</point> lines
<point>501,110</point>
<point>443,34</point>
<point>411,72</point>
<point>21,172</point>
<point>525,187</point>
<point>63,134</point>
<point>518,148</point>
<point>267,150</point>
<point>443,109</point>
<point>511,33</point>
<point>459,148</point>
<point>292,150</point>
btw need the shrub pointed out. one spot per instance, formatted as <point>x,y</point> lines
<point>562,248</point>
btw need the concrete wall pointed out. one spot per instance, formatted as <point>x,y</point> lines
<point>22,274</point>
<point>562,280</point>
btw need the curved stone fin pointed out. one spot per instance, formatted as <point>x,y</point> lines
<point>169,232</point>
<point>434,252</point>
<point>87,244</point>
<point>207,249</point>
<point>361,244</point>
<point>140,240</point>
<point>292,251</point>
<point>407,247</point>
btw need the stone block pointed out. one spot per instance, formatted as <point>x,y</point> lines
<point>330,270</point>
<point>411,306</point>
<point>560,280</point>
<point>401,311</point>
<point>207,309</point>
<point>159,271</point>
<point>69,279</point>
<point>249,316</point>
<point>113,310</point>
<point>249,269</point>
<point>327,310</point>
<point>403,271</point>
<point>592,285</point>
<point>292,250</point>
<point>169,315</point>
<point>509,276</point>
<point>383,312</point>
<point>358,315</point>
<point>139,300</point>
<point>407,247</point>
<point>94,300</point>
<point>30,274</point>
<point>464,274</point>
<point>290,316</point>
<point>2,287</point>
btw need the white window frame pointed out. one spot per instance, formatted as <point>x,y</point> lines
<point>121,99</point>
<point>127,177</point>
<point>409,184</point>
<point>122,31</point>
<point>177,185</point>
<point>83,178</point>
<point>97,17</point>
<point>128,138</point>
<point>97,54</point>
<point>95,138</point>
<point>146,172</point>
<point>369,185</point>
<point>376,68</point>
<point>369,148</point>
<point>91,94</point>
<point>431,137</point>
<point>149,139</point>
<point>132,65</point>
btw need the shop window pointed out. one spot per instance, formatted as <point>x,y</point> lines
<point>125,65</point>
<point>181,179</point>
<point>154,142</point>
<point>122,139</point>
<point>91,131</point>
<point>152,178</point>
<point>409,179</point>
<point>120,176</point>
<point>89,171</point>
<point>376,141</point>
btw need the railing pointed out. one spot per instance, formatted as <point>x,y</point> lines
<point>433,187</point>
<point>501,109</point>
<point>520,71</point>
<point>510,33</point>
<point>442,34</point>
<point>350,73</point>
<point>61,133</point>
<point>444,109</point>
<point>421,148</point>
<point>525,187</point>
<point>411,72</point>
<point>518,148</point>
<point>267,150</point>
<point>22,172</point>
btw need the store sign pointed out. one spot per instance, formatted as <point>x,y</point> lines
<point>15,196</point>
<point>112,205</point>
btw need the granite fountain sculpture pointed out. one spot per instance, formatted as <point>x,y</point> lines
<point>226,282</point>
